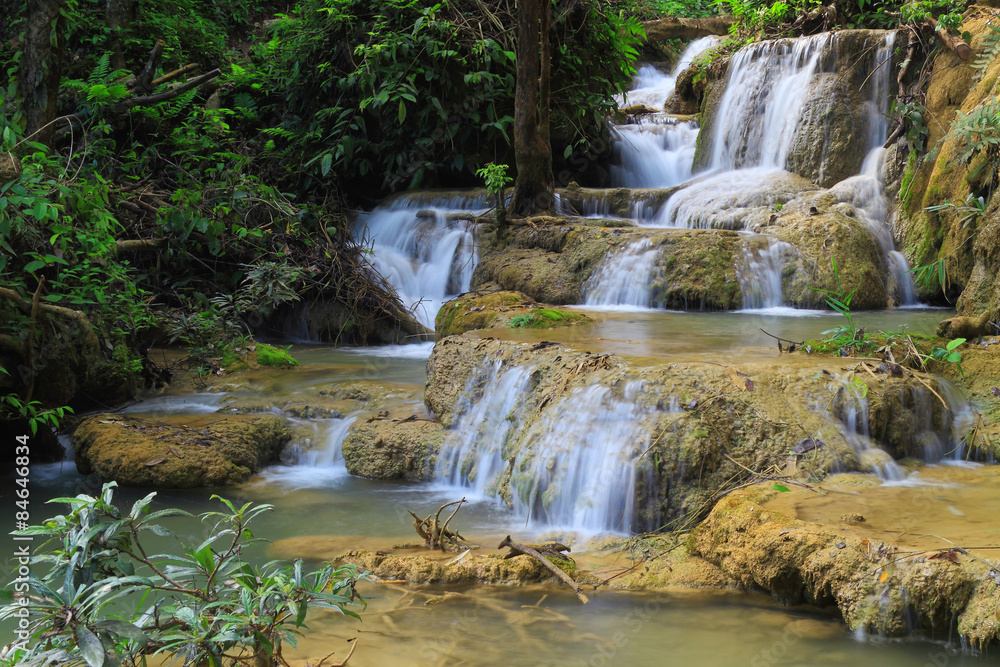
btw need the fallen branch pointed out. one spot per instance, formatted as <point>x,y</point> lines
<point>90,338</point>
<point>143,100</point>
<point>145,79</point>
<point>136,245</point>
<point>526,550</point>
<point>793,342</point>
<point>437,535</point>
<point>170,76</point>
<point>953,42</point>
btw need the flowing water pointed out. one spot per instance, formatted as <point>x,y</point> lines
<point>425,247</point>
<point>582,479</point>
<point>658,151</point>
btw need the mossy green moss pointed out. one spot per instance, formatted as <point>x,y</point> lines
<point>546,318</point>
<point>268,355</point>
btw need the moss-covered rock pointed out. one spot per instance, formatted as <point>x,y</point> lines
<point>876,589</point>
<point>427,569</point>
<point>269,355</point>
<point>134,452</point>
<point>928,236</point>
<point>382,448</point>
<point>486,310</point>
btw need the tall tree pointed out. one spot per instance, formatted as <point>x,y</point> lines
<point>40,67</point>
<point>533,189</point>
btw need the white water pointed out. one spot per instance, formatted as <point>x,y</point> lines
<point>761,273</point>
<point>657,153</point>
<point>580,474</point>
<point>427,255</point>
<point>320,459</point>
<point>624,278</point>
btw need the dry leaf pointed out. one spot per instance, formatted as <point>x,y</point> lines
<point>154,462</point>
<point>734,377</point>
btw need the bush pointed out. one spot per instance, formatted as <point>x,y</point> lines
<point>104,601</point>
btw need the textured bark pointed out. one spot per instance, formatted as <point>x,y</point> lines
<point>533,189</point>
<point>118,14</point>
<point>41,67</point>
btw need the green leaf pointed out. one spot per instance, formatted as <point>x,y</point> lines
<point>781,487</point>
<point>954,357</point>
<point>326,163</point>
<point>955,343</point>
<point>31,267</point>
<point>402,112</point>
<point>90,646</point>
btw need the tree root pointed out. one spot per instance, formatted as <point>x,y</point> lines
<point>437,535</point>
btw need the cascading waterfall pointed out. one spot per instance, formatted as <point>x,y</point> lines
<point>582,474</point>
<point>425,247</point>
<point>473,456</point>
<point>573,468</point>
<point>761,273</point>
<point>853,414</point>
<point>624,278</point>
<point>657,153</point>
<point>319,459</point>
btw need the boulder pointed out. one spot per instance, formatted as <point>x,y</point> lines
<point>136,452</point>
<point>382,448</point>
<point>486,310</point>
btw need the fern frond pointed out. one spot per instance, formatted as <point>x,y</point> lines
<point>989,50</point>
<point>101,71</point>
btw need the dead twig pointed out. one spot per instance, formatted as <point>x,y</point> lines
<point>565,578</point>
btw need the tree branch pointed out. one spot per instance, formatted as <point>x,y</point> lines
<point>143,100</point>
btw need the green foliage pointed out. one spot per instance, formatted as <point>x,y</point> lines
<point>989,49</point>
<point>840,301</point>
<point>970,212</point>
<point>13,407</point>
<point>948,12</point>
<point>948,354</point>
<point>268,355</point>
<point>422,95</point>
<point>686,8</point>
<point>103,601</point>
<point>978,132</point>
<point>913,113</point>
<point>522,320</point>
<point>496,178</point>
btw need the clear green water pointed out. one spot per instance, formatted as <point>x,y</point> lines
<point>319,513</point>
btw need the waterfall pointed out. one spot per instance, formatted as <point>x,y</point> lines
<point>317,461</point>
<point>852,412</point>
<point>624,278</point>
<point>572,468</point>
<point>659,152</point>
<point>425,247</point>
<point>760,275</point>
<point>473,455</point>
<point>582,472</point>
<point>768,87</point>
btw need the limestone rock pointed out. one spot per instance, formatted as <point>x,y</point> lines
<point>393,449</point>
<point>134,452</point>
<point>485,310</point>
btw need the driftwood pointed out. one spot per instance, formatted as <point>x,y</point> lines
<point>437,535</point>
<point>170,76</point>
<point>524,549</point>
<point>137,245</point>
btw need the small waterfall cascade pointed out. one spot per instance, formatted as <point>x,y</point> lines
<point>657,153</point>
<point>624,278</point>
<point>866,191</point>
<point>933,432</point>
<point>760,274</point>
<point>583,471</point>
<point>425,247</point>
<point>574,467</point>
<point>853,414</point>
<point>473,455</point>
<point>768,87</point>
<point>316,461</point>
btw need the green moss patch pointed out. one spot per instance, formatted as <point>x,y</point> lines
<point>268,355</point>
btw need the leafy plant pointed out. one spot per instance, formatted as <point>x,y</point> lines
<point>973,209</point>
<point>840,301</point>
<point>496,179</point>
<point>104,601</point>
<point>522,320</point>
<point>948,354</point>
<point>13,406</point>
<point>989,49</point>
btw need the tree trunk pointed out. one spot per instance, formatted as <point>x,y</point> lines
<point>40,68</point>
<point>533,189</point>
<point>118,14</point>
